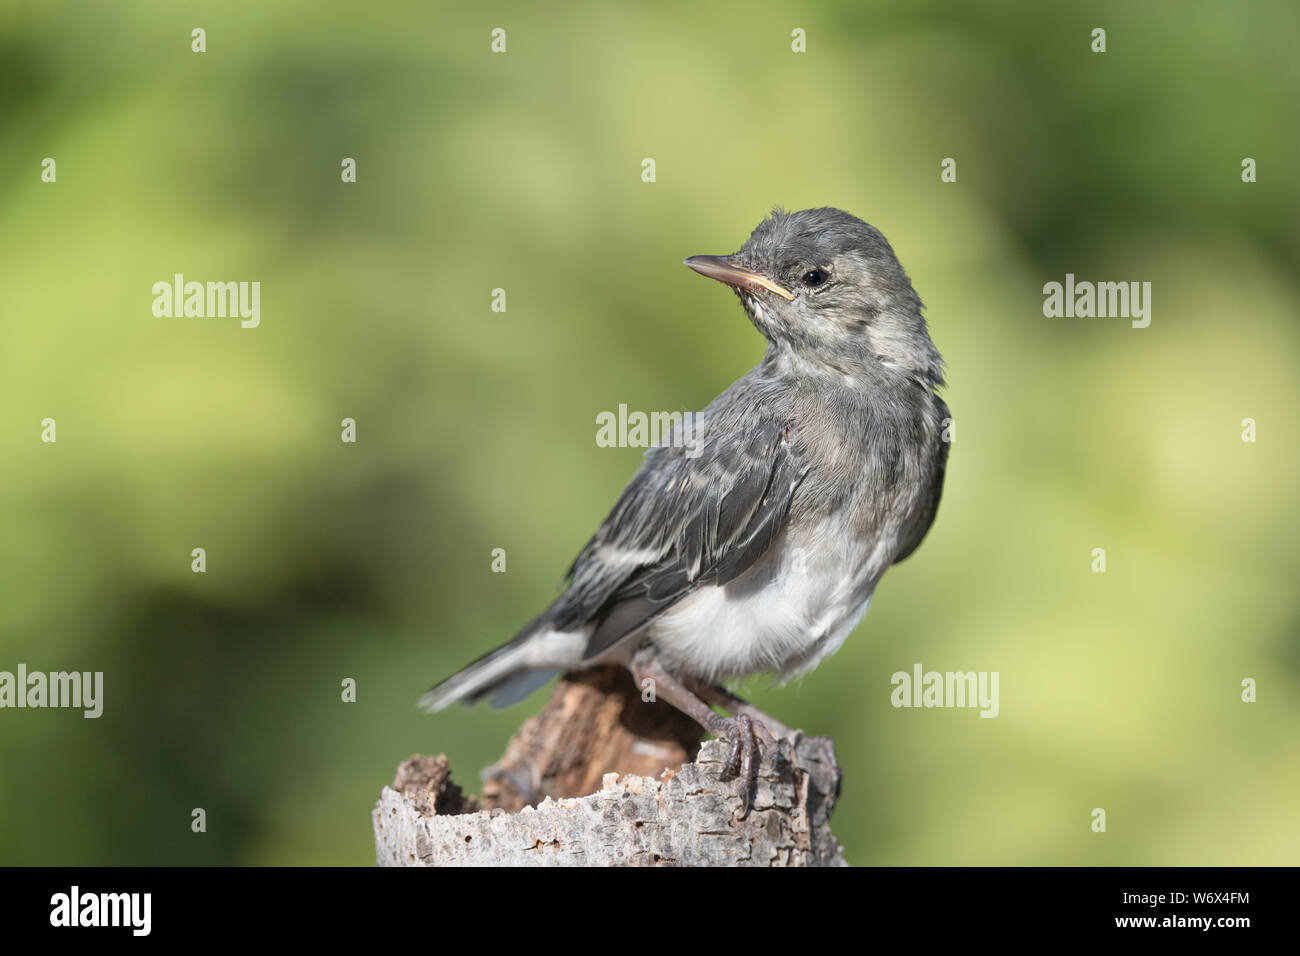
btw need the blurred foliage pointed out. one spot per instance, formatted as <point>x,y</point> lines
<point>476,429</point>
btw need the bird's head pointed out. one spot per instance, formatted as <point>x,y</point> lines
<point>827,291</point>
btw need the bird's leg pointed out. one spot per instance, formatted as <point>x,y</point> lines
<point>739,730</point>
<point>716,694</point>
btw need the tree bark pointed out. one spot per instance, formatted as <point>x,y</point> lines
<point>601,777</point>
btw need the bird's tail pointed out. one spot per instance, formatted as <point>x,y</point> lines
<point>505,674</point>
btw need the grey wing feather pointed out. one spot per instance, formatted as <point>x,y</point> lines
<point>922,526</point>
<point>682,522</point>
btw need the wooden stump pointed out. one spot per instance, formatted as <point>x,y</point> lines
<point>601,777</point>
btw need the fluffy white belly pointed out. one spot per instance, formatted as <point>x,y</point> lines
<point>794,607</point>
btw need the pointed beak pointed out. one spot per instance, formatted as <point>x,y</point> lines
<point>725,270</point>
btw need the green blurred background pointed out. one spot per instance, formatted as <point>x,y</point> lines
<point>477,429</point>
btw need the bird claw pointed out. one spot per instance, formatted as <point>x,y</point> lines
<point>744,737</point>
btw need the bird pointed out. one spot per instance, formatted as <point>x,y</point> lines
<point>755,547</point>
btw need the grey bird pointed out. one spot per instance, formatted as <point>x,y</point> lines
<point>756,546</point>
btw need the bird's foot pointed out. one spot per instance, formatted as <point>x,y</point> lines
<point>744,735</point>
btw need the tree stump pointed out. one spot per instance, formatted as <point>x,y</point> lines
<point>602,778</point>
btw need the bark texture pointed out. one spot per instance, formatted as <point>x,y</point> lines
<point>602,778</point>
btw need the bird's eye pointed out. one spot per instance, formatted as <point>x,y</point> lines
<point>814,278</point>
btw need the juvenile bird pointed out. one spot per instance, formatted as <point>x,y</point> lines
<point>757,548</point>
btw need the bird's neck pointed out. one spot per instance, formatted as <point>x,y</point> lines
<point>857,373</point>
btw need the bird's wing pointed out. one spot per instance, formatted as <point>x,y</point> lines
<point>682,522</point>
<point>926,517</point>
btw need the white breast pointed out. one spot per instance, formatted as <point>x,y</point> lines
<point>795,606</point>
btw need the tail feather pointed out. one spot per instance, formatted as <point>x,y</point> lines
<point>518,686</point>
<point>504,673</point>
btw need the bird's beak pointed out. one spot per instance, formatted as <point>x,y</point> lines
<point>725,270</point>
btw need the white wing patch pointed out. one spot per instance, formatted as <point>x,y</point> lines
<point>613,557</point>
